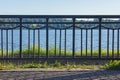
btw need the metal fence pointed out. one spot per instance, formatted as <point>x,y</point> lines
<point>85,25</point>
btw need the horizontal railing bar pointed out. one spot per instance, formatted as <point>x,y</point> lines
<point>59,16</point>
<point>60,22</point>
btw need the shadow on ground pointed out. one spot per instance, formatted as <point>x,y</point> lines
<point>61,75</point>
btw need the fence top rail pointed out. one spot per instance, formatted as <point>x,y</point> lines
<point>59,16</point>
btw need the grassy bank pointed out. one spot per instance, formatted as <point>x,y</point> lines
<point>56,65</point>
<point>25,52</point>
<point>110,65</point>
<point>113,65</point>
<point>42,52</point>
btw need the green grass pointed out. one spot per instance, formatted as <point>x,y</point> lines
<point>56,64</point>
<point>42,52</point>
<point>113,65</point>
<point>52,50</point>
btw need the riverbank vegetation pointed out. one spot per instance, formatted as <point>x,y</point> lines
<point>35,51</point>
<point>52,52</point>
<point>109,65</point>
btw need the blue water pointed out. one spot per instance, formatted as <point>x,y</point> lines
<point>52,39</point>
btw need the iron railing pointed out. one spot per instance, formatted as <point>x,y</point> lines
<point>59,26</point>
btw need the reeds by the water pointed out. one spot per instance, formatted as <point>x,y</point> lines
<point>57,52</point>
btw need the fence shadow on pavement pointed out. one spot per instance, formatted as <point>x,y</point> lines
<point>61,75</point>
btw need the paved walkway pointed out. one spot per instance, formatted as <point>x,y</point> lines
<point>59,75</point>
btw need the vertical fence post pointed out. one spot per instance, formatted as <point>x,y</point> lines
<point>113,43</point>
<point>73,50</point>
<point>47,37</point>
<point>100,19</point>
<point>2,43</point>
<point>118,44</point>
<point>20,37</point>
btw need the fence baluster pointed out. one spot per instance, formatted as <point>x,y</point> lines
<point>100,19</point>
<point>33,43</point>
<point>38,43</point>
<point>12,43</point>
<point>2,43</point>
<point>113,43</point>
<point>86,41</point>
<point>73,43</point>
<point>55,43</point>
<point>65,44</point>
<point>81,42</point>
<point>107,43</point>
<point>91,42</point>
<point>118,44</point>
<point>60,44</point>
<point>20,37</point>
<point>7,43</point>
<point>47,37</point>
<point>28,43</point>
